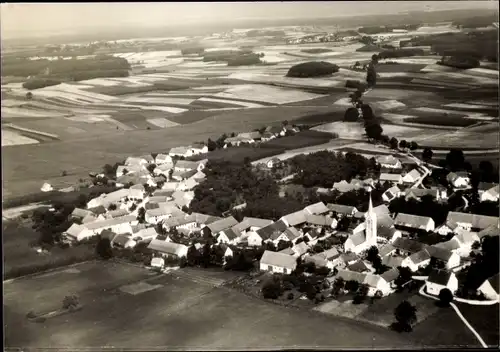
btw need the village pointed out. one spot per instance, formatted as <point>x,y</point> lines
<point>329,249</point>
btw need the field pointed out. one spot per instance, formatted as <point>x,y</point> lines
<point>177,314</point>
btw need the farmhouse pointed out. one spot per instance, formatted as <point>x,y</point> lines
<point>154,216</point>
<point>251,224</point>
<point>321,221</point>
<point>391,178</point>
<point>181,152</point>
<point>185,165</point>
<point>386,249</point>
<point>343,186</point>
<point>405,246</point>
<point>187,185</point>
<point>118,225</point>
<point>199,148</point>
<point>391,194</point>
<point>295,219</point>
<point>471,222</point>
<point>164,169</point>
<point>359,266</point>
<point>387,234</point>
<point>168,249</point>
<point>414,222</point>
<point>80,214</point>
<point>228,236</point>
<point>441,279</point>
<point>329,258</point>
<point>140,160</point>
<point>412,176</point>
<point>291,234</point>
<point>317,208</point>
<point>374,282</point>
<point>390,276</point>
<point>418,193</point>
<point>343,210</point>
<point>449,258</point>
<point>116,213</point>
<point>465,239</point>
<point>163,159</point>
<point>145,235</point>
<point>157,262</point>
<point>220,225</point>
<point>277,262</point>
<point>389,162</point>
<point>417,260</point>
<point>458,179</point>
<point>490,288</point>
<point>256,238</point>
<point>488,192</point>
<point>237,141</point>
<point>123,241</point>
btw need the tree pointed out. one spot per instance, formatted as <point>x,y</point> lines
<point>361,294</point>
<point>351,115</point>
<point>403,144</point>
<point>338,285</point>
<point>406,315</point>
<point>476,245</point>
<point>374,131</point>
<point>103,249</point>
<point>445,297</point>
<point>29,95</point>
<point>455,159</point>
<point>394,143</point>
<point>372,253</point>
<point>141,215</point>
<point>352,285</point>
<point>405,275</point>
<point>211,145</point>
<point>427,155</point>
<point>112,207</point>
<point>343,224</point>
<point>487,172</point>
<point>70,302</point>
<point>151,168</point>
<point>271,290</point>
<point>81,200</point>
<point>413,145</point>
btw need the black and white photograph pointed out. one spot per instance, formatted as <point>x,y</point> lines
<point>267,175</point>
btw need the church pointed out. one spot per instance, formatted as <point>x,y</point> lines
<point>363,236</point>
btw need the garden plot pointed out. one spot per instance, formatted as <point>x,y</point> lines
<point>267,94</point>
<point>100,82</point>
<point>10,138</point>
<point>20,112</point>
<point>231,102</point>
<point>88,118</point>
<point>162,122</point>
<point>345,130</point>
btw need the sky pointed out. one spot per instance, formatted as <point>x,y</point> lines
<point>55,18</point>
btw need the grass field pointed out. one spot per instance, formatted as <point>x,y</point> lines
<point>485,320</point>
<point>442,121</point>
<point>179,314</point>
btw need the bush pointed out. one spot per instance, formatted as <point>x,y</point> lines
<point>271,290</point>
<point>459,62</point>
<point>40,83</point>
<point>191,51</point>
<point>290,296</point>
<point>390,54</point>
<point>442,121</point>
<point>312,69</point>
<point>316,50</point>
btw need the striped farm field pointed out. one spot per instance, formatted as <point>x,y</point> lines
<point>11,138</point>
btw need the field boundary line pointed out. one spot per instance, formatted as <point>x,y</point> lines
<point>8,281</point>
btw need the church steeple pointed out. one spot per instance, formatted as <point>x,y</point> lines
<point>371,223</point>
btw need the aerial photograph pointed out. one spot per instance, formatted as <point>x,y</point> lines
<point>262,175</point>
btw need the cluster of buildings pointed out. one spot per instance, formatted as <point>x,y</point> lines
<point>116,216</point>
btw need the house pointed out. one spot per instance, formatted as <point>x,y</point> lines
<point>256,238</point>
<point>386,249</point>
<point>157,262</point>
<point>267,136</point>
<point>391,178</point>
<point>275,130</point>
<point>442,191</point>
<point>391,194</point>
<point>329,258</point>
<point>359,266</point>
<point>349,258</point>
<point>199,176</point>
<point>488,192</point>
<point>300,248</point>
<point>389,162</point>
<point>490,288</point>
<point>412,177</point>
<point>343,210</point>
<point>417,260</point>
<point>163,159</point>
<point>465,239</point>
<point>118,225</point>
<point>145,235</point>
<point>154,216</point>
<point>220,225</point>
<point>441,279</point>
<point>168,249</point>
<point>390,276</point>
<point>317,208</point>
<point>185,165</point>
<point>406,246</point>
<point>414,222</point>
<point>375,282</point>
<point>180,222</point>
<point>138,160</point>
<point>387,234</point>
<point>446,229</point>
<point>418,193</point>
<point>451,246</point>
<point>181,152</point>
<point>458,179</point>
<point>322,221</point>
<point>199,148</point>
<point>450,259</point>
<point>80,214</point>
<point>273,162</point>
<point>471,222</point>
<point>123,241</point>
<point>277,262</point>
<point>392,261</point>
<point>92,217</point>
<point>343,186</point>
<point>295,219</point>
<point>187,185</point>
<point>228,236</point>
<point>252,224</point>
<point>164,169</point>
<point>46,187</point>
<point>291,234</point>
<point>116,213</point>
<point>164,193</point>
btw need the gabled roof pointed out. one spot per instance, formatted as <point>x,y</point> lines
<point>390,275</point>
<point>408,245</point>
<point>390,177</point>
<point>466,237</point>
<point>316,259</point>
<point>343,186</point>
<point>386,249</point>
<point>161,157</point>
<point>250,135</point>
<point>372,280</point>
<point>249,222</point>
<point>420,256</point>
<point>342,209</point>
<point>230,233</point>
<point>386,232</point>
<point>167,247</point>
<point>485,186</point>
<point>348,257</point>
<point>292,233</point>
<point>359,266</point>
<point>440,277</point>
<point>121,240</point>
<point>146,233</point>
<point>108,234</point>
<point>186,164</point>
<point>276,227</point>
<point>330,254</point>
<point>448,245</point>
<point>179,220</point>
<point>492,230</point>
<point>157,199</point>
<point>414,221</point>
<point>80,213</point>
<point>98,210</point>
<point>413,174</point>
<point>317,208</point>
<point>319,220</point>
<point>222,224</point>
<point>293,219</point>
<point>198,145</point>
<point>163,193</point>
<point>394,190</point>
<point>439,253</point>
<point>279,259</point>
<point>110,222</point>
<point>348,275</point>
<point>301,248</point>
<point>358,238</point>
<point>179,150</point>
<point>117,213</point>
<point>392,262</point>
<point>477,221</point>
<point>453,176</point>
<point>421,192</point>
<point>288,251</point>
<point>74,230</point>
<point>387,159</point>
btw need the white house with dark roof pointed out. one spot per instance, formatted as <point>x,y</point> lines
<point>276,262</point>
<point>256,238</point>
<point>321,221</point>
<point>459,179</point>
<point>220,225</point>
<point>343,210</point>
<point>471,222</point>
<point>414,221</point>
<point>251,224</point>
<point>163,159</point>
<point>228,236</point>
<point>406,246</point>
<point>291,234</point>
<point>418,193</point>
<point>450,259</point>
<point>317,208</point>
<point>168,249</point>
<point>389,162</point>
<point>181,151</point>
<point>391,194</point>
<point>464,240</point>
<point>417,260</point>
<point>295,219</point>
<point>490,288</point>
<point>441,279</point>
<point>145,235</point>
<point>391,178</point>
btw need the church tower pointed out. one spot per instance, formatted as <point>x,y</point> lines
<point>371,225</point>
